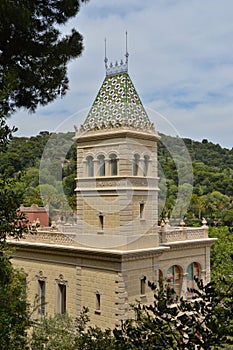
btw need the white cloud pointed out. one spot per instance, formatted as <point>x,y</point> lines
<point>181,62</point>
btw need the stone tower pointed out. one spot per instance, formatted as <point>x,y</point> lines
<point>117,181</point>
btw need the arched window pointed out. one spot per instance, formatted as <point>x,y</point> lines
<point>174,279</point>
<point>90,166</point>
<point>136,164</point>
<point>113,164</point>
<point>192,271</point>
<point>101,160</point>
<point>145,165</point>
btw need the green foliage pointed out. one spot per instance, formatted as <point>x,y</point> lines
<point>12,221</point>
<point>64,332</point>
<point>203,322</point>
<point>56,332</point>
<point>212,183</point>
<point>14,309</point>
<point>33,54</point>
<point>222,257</point>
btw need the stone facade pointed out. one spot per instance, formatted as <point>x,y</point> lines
<point>105,260</point>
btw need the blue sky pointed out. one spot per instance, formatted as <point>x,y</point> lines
<point>181,63</point>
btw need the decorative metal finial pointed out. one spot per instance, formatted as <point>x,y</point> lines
<point>126,48</point>
<point>105,54</point>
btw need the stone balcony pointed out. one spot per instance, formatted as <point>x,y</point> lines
<point>68,235</point>
<point>175,234</point>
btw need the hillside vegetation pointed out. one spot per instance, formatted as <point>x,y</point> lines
<point>209,188</point>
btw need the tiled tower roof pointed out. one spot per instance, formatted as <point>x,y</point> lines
<point>117,104</point>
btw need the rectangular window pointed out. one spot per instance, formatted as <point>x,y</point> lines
<point>97,307</point>
<point>97,303</point>
<point>101,218</point>
<point>141,209</point>
<point>62,298</point>
<point>41,285</point>
<point>143,285</point>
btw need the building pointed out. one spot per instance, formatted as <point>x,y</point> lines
<point>36,215</point>
<point>104,261</point>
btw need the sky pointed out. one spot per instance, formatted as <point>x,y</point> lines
<point>180,61</point>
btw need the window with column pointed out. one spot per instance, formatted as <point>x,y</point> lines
<point>113,164</point>
<point>146,160</point>
<point>90,166</point>
<point>136,160</point>
<point>101,160</point>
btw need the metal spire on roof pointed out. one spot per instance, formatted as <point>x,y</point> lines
<point>117,67</point>
<point>105,51</point>
<point>126,48</point>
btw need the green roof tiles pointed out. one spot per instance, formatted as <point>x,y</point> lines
<point>117,104</point>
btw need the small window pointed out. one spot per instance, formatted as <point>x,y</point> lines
<point>62,298</point>
<point>113,164</point>
<point>90,166</point>
<point>136,164</point>
<point>101,219</point>
<point>41,285</point>
<point>97,301</point>
<point>143,285</point>
<point>101,165</point>
<point>141,210</point>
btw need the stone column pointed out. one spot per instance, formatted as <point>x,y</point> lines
<point>107,167</point>
<point>184,285</point>
<point>96,167</point>
<point>140,167</point>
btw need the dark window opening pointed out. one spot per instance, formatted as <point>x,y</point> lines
<point>141,210</point>
<point>101,218</point>
<point>41,297</point>
<point>143,285</point>
<point>62,298</point>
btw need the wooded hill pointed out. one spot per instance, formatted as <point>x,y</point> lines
<point>211,183</point>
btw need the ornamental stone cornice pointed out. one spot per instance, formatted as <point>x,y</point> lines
<point>197,243</point>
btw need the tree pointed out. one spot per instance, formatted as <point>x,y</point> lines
<point>221,256</point>
<point>204,322</point>
<point>33,54</point>
<point>12,221</point>
<point>14,309</point>
<point>64,332</point>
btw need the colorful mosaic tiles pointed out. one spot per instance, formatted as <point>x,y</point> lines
<point>116,104</point>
